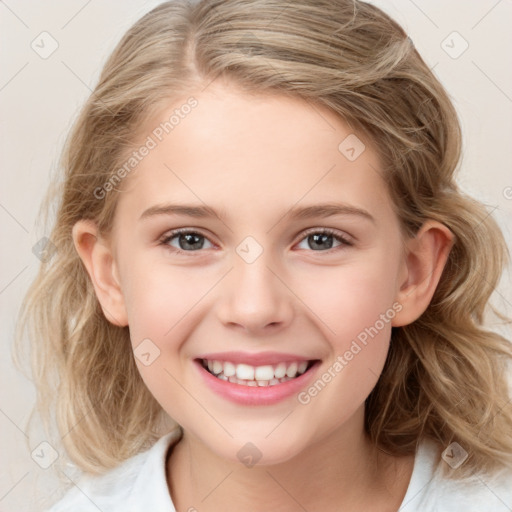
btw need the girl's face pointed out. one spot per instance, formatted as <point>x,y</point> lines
<point>290,261</point>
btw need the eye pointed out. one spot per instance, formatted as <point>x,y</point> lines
<point>321,240</point>
<point>317,239</point>
<point>186,240</point>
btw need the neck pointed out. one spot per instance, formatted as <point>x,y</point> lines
<point>343,471</point>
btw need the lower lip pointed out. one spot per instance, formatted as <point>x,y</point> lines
<point>256,395</point>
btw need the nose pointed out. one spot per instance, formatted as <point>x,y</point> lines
<point>254,298</point>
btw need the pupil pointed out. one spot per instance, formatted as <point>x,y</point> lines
<point>320,238</point>
<point>189,239</point>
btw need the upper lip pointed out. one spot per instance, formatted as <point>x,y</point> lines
<point>255,359</point>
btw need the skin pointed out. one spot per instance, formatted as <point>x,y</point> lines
<point>255,157</point>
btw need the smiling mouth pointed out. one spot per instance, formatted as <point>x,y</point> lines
<point>256,376</point>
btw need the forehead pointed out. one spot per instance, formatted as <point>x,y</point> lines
<point>250,152</point>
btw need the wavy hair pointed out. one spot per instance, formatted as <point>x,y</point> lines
<point>445,376</point>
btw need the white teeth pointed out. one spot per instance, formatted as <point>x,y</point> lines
<point>244,371</point>
<point>248,375</point>
<point>280,371</point>
<point>217,367</point>
<point>264,373</point>
<point>291,371</point>
<point>229,369</point>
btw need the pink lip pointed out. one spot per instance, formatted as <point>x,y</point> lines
<point>259,359</point>
<point>256,395</point>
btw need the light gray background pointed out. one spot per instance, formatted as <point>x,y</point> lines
<point>39,98</point>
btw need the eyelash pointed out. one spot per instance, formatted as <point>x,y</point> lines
<point>344,241</point>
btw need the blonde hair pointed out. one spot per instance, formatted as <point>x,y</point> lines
<point>445,375</point>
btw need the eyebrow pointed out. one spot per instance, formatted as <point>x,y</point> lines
<point>299,213</point>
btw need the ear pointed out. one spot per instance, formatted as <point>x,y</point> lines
<point>97,257</point>
<point>425,257</point>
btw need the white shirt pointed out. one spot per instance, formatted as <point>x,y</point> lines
<point>139,485</point>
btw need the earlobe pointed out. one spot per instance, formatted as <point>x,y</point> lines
<point>425,259</point>
<point>97,258</point>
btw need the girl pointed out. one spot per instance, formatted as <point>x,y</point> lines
<point>260,236</point>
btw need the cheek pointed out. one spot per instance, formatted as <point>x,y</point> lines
<point>163,303</point>
<point>351,297</point>
<point>356,318</point>
<point>160,303</point>
<point>355,305</point>
<point>159,297</point>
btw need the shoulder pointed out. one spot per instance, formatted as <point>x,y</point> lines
<point>429,491</point>
<point>139,483</point>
